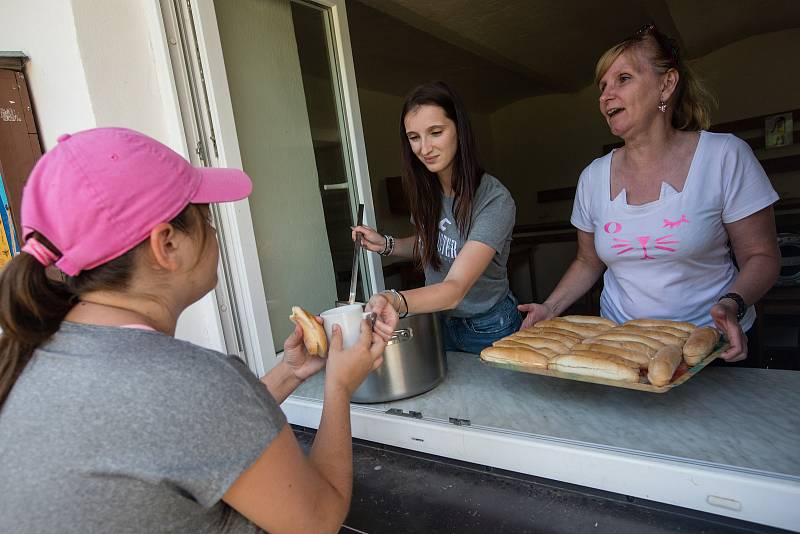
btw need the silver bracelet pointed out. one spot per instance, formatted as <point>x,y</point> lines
<point>389,247</point>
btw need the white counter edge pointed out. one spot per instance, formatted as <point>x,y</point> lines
<point>745,496</point>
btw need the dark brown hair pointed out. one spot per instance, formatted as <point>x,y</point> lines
<point>422,186</point>
<point>34,302</point>
<point>691,103</point>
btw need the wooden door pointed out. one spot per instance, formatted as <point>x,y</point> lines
<point>19,139</point>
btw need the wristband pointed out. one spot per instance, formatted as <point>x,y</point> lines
<point>740,305</point>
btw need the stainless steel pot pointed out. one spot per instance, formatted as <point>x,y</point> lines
<point>414,362</point>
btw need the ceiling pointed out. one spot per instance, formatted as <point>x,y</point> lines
<point>498,51</point>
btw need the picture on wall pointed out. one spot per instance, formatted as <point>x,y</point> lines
<point>778,130</point>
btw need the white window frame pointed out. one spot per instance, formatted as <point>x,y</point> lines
<point>735,493</point>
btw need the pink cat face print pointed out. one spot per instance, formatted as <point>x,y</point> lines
<point>643,245</point>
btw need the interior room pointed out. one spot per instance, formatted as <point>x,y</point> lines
<point>526,74</point>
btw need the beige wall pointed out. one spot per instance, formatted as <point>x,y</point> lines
<point>759,76</point>
<point>274,135</point>
<point>544,142</point>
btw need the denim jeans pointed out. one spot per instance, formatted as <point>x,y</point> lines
<point>473,334</point>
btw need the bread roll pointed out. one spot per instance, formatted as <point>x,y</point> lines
<point>538,342</point>
<point>652,333</point>
<point>663,366</point>
<point>596,365</point>
<point>700,344</point>
<point>508,342</point>
<point>533,330</point>
<point>686,327</point>
<point>633,346</point>
<point>516,355</point>
<point>313,333</point>
<point>639,358</point>
<point>589,319</point>
<point>566,340</point>
<point>683,334</point>
<point>628,336</point>
<point>583,330</point>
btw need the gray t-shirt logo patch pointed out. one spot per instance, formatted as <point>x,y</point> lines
<point>447,246</point>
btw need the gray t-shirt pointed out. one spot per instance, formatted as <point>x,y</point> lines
<point>493,214</point>
<point>121,430</point>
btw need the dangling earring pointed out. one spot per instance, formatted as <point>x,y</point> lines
<point>662,106</point>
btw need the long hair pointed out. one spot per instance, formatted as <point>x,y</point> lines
<point>691,102</point>
<point>34,302</point>
<point>422,186</point>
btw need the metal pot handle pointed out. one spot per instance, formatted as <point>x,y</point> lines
<point>399,336</point>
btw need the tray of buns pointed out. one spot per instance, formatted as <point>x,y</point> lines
<point>652,355</point>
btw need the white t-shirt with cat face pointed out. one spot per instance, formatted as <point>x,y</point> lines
<point>670,259</point>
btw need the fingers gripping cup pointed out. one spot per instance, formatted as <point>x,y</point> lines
<point>349,319</point>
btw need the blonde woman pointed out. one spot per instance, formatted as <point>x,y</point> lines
<point>664,215</point>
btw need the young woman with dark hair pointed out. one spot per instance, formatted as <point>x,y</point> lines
<point>463,219</point>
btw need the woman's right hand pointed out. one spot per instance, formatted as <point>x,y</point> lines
<point>372,240</point>
<point>347,368</point>
<point>535,313</point>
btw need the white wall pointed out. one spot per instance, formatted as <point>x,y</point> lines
<point>103,63</point>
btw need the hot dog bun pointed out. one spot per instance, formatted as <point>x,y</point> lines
<point>582,329</point>
<point>700,344</point>
<point>535,330</point>
<point>589,319</point>
<point>553,336</point>
<point>596,365</point>
<point>686,327</point>
<point>627,336</point>
<point>313,333</point>
<point>638,357</point>
<point>516,355</point>
<point>634,346</point>
<point>544,351</point>
<point>538,342</point>
<point>664,364</point>
<point>653,332</point>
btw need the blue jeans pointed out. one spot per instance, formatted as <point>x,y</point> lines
<point>473,334</point>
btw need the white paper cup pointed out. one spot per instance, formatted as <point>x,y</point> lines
<point>349,319</point>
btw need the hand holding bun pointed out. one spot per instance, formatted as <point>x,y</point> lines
<point>313,333</point>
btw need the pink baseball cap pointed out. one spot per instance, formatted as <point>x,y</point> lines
<point>99,193</point>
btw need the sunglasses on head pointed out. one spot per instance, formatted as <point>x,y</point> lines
<point>666,44</point>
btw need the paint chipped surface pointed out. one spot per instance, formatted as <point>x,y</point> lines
<point>9,115</point>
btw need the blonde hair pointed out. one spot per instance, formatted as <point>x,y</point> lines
<point>692,102</point>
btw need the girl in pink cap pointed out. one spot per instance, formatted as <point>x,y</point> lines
<point>107,422</point>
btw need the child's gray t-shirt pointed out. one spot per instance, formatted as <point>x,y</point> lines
<point>493,214</point>
<point>121,430</point>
